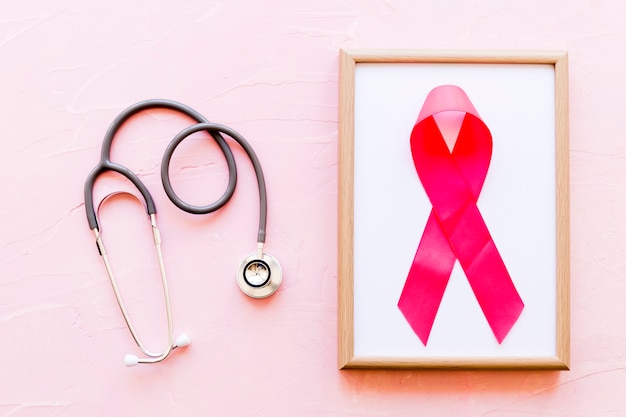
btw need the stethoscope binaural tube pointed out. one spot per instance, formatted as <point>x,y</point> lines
<point>182,340</point>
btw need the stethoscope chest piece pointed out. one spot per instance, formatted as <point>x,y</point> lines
<point>259,276</point>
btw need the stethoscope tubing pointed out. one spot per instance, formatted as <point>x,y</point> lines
<point>215,128</point>
<point>106,164</point>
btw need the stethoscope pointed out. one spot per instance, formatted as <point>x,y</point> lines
<point>258,276</point>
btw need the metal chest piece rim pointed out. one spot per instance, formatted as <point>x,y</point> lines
<point>259,276</point>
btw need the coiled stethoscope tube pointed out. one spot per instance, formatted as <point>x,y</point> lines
<point>258,276</point>
<point>255,276</point>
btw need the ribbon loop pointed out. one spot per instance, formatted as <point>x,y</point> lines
<point>455,228</point>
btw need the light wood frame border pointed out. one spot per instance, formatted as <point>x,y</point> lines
<point>348,61</point>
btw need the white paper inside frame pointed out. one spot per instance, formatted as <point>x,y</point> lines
<point>517,202</point>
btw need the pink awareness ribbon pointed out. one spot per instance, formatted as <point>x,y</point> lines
<point>455,228</point>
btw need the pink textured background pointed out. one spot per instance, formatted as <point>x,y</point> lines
<point>270,70</point>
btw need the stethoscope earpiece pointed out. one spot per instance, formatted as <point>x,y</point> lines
<point>133,360</point>
<point>259,275</point>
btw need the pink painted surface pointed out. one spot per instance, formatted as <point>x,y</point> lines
<point>270,70</point>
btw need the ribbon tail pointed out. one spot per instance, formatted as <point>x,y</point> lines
<point>496,294</point>
<point>486,272</point>
<point>427,279</point>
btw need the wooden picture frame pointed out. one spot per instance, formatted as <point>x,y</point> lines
<point>522,97</point>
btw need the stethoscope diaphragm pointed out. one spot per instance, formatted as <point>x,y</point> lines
<point>259,276</point>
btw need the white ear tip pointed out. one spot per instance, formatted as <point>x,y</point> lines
<point>131,360</point>
<point>183,340</point>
